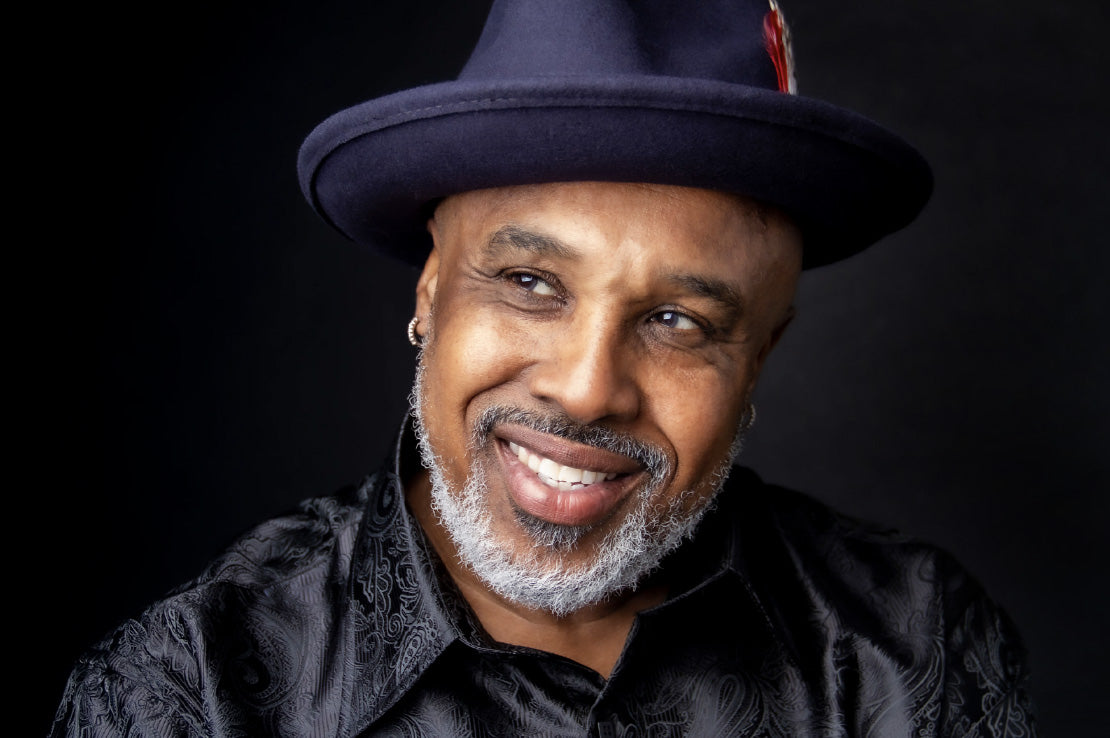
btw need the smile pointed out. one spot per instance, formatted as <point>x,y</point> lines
<point>561,481</point>
<point>557,475</point>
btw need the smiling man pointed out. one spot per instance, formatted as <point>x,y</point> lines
<point>611,205</point>
<point>600,345</point>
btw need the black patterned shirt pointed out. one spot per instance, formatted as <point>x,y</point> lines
<point>784,619</point>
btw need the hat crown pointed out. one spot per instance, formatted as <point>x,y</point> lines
<point>720,40</point>
<point>681,92</point>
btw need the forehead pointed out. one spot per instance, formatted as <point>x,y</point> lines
<point>596,219</point>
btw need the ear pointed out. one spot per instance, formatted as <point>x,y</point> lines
<point>773,339</point>
<point>426,285</point>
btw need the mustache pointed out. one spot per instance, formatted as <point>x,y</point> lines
<point>652,458</point>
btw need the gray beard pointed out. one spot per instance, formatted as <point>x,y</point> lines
<point>541,578</point>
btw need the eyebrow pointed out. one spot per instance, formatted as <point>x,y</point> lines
<point>514,237</point>
<point>714,289</point>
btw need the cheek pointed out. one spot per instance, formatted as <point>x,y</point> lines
<point>471,353</point>
<point>699,413</point>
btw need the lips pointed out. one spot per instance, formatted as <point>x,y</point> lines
<point>563,482</point>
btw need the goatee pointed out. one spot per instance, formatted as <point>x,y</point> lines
<point>539,576</point>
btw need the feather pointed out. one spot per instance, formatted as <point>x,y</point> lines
<point>776,38</point>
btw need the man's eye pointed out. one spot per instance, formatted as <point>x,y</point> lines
<point>533,284</point>
<point>676,320</point>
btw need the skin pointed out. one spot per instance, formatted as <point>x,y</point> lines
<point>647,309</point>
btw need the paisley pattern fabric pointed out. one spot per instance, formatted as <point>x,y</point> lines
<point>784,619</point>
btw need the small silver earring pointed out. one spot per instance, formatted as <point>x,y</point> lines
<point>414,339</point>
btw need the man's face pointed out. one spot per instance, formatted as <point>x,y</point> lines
<point>590,349</point>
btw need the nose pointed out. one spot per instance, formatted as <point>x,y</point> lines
<point>587,370</point>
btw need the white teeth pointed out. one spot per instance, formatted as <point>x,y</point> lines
<point>570,474</point>
<point>549,468</point>
<point>554,474</point>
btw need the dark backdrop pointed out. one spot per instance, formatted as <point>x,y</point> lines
<point>204,352</point>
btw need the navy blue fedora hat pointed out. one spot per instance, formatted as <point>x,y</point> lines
<point>662,91</point>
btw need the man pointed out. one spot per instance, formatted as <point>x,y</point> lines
<point>612,205</point>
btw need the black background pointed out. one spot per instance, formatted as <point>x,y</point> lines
<point>201,351</point>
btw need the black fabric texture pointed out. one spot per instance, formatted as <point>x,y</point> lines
<point>784,618</point>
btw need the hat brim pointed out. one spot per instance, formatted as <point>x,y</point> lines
<point>373,170</point>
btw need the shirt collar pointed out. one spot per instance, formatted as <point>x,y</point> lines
<point>399,619</point>
<point>734,548</point>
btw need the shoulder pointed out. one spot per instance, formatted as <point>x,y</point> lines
<point>845,557</point>
<point>294,546</point>
<point>251,626</point>
<point>883,604</point>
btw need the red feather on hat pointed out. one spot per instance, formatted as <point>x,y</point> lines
<point>776,36</point>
